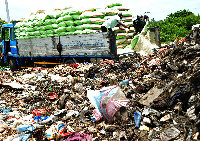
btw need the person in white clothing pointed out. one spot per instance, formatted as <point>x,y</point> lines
<point>112,22</point>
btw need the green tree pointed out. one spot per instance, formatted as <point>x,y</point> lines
<point>176,24</point>
<point>1,23</point>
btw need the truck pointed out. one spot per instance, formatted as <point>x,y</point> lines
<point>24,53</point>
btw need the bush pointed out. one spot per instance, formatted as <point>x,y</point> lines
<point>178,24</point>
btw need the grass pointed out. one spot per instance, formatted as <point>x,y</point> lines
<point>4,65</point>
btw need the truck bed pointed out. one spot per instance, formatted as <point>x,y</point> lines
<point>80,44</point>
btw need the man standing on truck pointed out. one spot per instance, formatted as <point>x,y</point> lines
<point>112,22</point>
<point>139,23</point>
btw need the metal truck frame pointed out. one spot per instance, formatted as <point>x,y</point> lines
<point>23,53</point>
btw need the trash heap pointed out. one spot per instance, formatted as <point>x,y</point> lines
<point>155,97</point>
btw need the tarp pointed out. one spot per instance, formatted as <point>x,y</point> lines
<point>107,101</point>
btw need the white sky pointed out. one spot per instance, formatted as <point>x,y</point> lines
<point>159,9</point>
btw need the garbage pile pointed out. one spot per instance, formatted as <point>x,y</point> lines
<point>154,97</point>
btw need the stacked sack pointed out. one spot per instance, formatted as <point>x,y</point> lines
<point>38,25</point>
<point>92,19</point>
<point>59,23</point>
<point>123,39</point>
<point>70,21</point>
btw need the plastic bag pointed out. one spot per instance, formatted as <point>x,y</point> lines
<point>84,16</point>
<point>37,33</point>
<point>114,4</point>
<point>95,14</point>
<point>47,22</point>
<point>54,26</point>
<point>97,21</point>
<point>95,27</point>
<point>63,33</point>
<point>43,28</point>
<point>62,24</point>
<point>67,17</point>
<point>42,32</point>
<point>79,137</point>
<point>56,35</point>
<point>78,22</point>
<point>60,29</point>
<point>87,31</point>
<point>86,21</point>
<point>111,102</point>
<point>70,28</point>
<point>76,17</point>
<point>129,23</point>
<point>134,42</point>
<point>49,32</point>
<point>69,33</point>
<point>64,13</point>
<point>30,29</point>
<point>107,101</point>
<point>43,36</point>
<point>60,19</point>
<point>36,28</point>
<point>49,27</point>
<point>50,35</point>
<point>118,30</point>
<point>78,28</point>
<point>78,32</point>
<point>120,41</point>
<point>137,118</point>
<point>75,12</point>
<point>120,36</point>
<point>86,26</point>
<point>126,14</point>
<point>69,23</point>
<point>22,128</point>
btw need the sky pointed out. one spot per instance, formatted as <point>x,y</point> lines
<point>159,9</point>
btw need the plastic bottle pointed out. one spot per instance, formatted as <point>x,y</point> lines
<point>124,82</point>
<point>137,118</point>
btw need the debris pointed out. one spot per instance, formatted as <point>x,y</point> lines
<point>137,118</point>
<point>150,96</point>
<point>153,97</point>
<point>169,134</point>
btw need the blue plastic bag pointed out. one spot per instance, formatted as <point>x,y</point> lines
<point>137,118</point>
<point>124,82</point>
<point>37,118</point>
<point>22,128</point>
<point>6,110</point>
<point>24,137</point>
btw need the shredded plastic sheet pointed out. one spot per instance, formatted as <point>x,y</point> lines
<point>95,96</point>
<point>38,112</point>
<point>143,46</point>
<point>23,128</point>
<point>107,101</point>
<point>79,137</point>
<point>97,115</point>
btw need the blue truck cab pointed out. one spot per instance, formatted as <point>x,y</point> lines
<point>24,53</point>
<point>8,41</point>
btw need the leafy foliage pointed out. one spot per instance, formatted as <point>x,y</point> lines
<point>1,23</point>
<point>177,24</point>
<point>4,65</point>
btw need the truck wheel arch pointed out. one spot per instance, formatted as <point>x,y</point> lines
<point>13,64</point>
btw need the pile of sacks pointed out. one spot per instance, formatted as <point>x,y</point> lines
<point>155,97</point>
<point>68,21</point>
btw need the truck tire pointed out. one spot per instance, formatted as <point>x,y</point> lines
<point>13,64</point>
<point>70,61</point>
